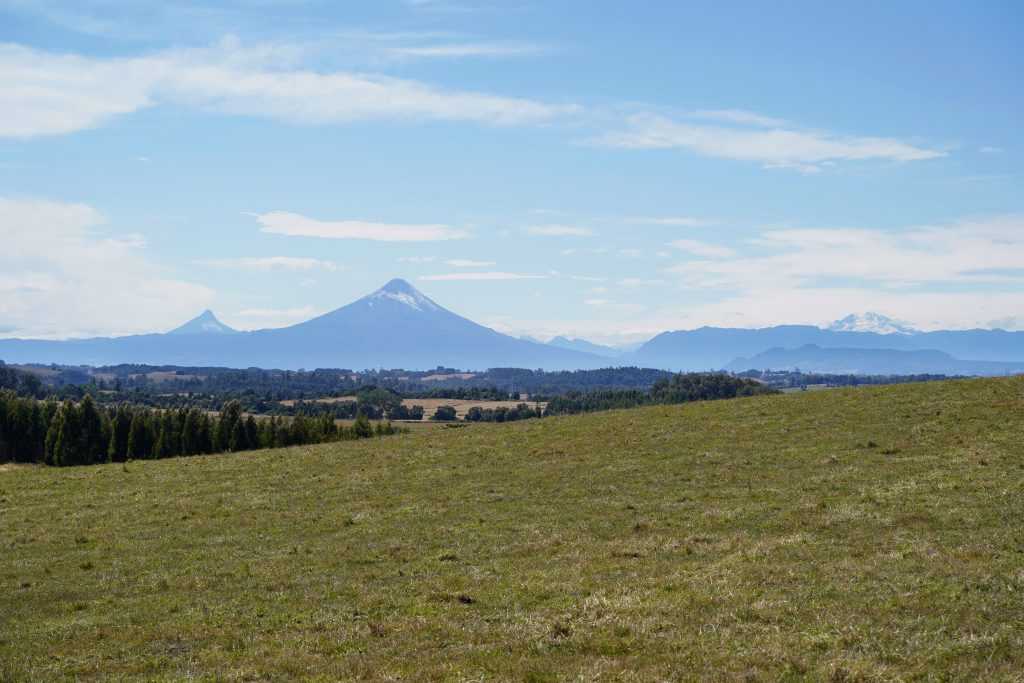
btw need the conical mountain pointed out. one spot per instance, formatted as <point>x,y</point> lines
<point>205,323</point>
<point>398,326</point>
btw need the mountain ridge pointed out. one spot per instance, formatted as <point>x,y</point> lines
<point>397,326</point>
<point>847,361</point>
<point>393,326</point>
<point>708,348</point>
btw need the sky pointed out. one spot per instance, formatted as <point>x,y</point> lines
<point>597,169</point>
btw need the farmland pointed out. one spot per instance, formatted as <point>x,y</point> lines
<point>855,534</point>
<point>432,404</point>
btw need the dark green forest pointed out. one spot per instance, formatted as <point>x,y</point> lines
<point>83,433</point>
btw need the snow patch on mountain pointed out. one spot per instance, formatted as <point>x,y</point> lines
<point>404,293</point>
<point>871,322</point>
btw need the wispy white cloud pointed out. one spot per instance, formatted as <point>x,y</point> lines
<point>489,275</point>
<point>463,50</point>
<point>806,151</point>
<point>415,259</point>
<point>556,230</point>
<point>988,149</point>
<point>267,263</point>
<point>674,221</point>
<point>61,275</point>
<point>591,250</point>
<point>970,253</point>
<point>47,93</point>
<point>704,249</point>
<point>640,282</point>
<point>296,225</point>
<point>455,6</point>
<point>468,263</point>
<point>739,116</point>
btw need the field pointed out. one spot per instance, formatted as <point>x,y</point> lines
<point>430,405</point>
<point>872,534</point>
<point>411,425</point>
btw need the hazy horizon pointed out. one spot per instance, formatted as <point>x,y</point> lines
<point>870,320</point>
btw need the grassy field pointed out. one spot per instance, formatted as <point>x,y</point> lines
<point>411,425</point>
<point>872,534</point>
<point>430,405</point>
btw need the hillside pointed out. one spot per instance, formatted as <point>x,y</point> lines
<point>865,534</point>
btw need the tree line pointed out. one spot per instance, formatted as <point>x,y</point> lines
<point>85,433</point>
<point>502,413</point>
<point>681,388</point>
<point>21,383</point>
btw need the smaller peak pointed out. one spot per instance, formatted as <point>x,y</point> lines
<point>204,323</point>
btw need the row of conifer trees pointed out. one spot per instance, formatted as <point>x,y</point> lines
<point>83,433</point>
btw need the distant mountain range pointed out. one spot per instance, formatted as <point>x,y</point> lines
<point>719,347</point>
<point>811,358</point>
<point>586,347</point>
<point>397,326</point>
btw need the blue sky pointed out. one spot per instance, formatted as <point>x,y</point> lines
<point>597,169</point>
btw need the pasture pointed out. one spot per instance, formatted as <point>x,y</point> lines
<point>869,534</point>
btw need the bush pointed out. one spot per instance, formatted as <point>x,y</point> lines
<point>444,414</point>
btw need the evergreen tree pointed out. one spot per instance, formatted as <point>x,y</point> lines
<point>327,430</point>
<point>93,443</point>
<point>298,431</point>
<point>139,446</point>
<point>121,423</point>
<point>67,440</point>
<point>237,441</point>
<point>362,428</point>
<point>167,439</point>
<point>230,415</point>
<point>52,434</point>
<point>252,433</point>
<point>191,441</point>
<point>205,440</point>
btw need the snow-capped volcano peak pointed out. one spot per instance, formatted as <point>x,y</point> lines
<point>205,323</point>
<point>871,322</point>
<point>404,293</point>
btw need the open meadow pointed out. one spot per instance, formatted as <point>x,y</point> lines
<point>872,534</point>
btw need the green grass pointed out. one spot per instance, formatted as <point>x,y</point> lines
<point>869,534</point>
